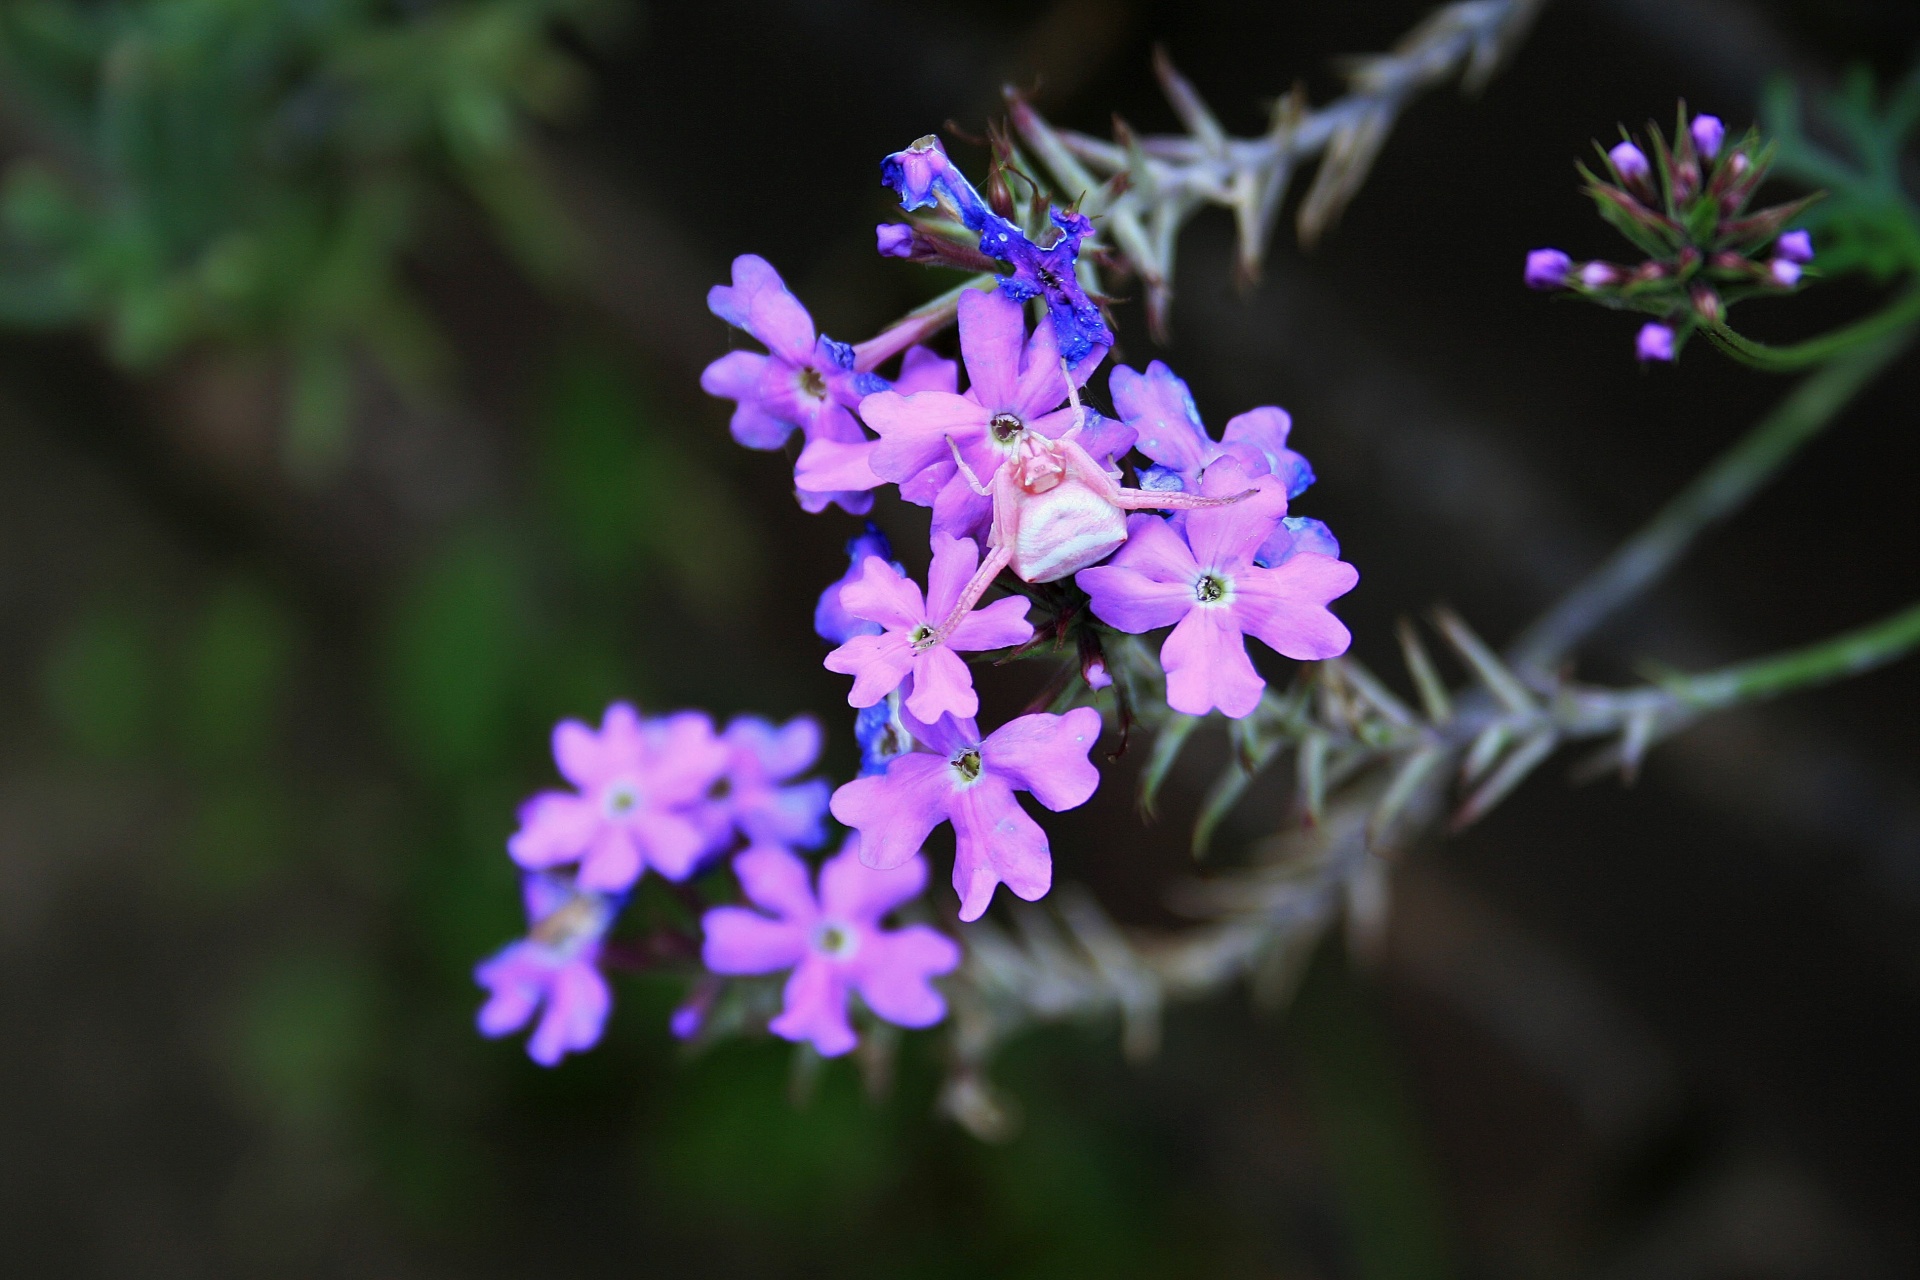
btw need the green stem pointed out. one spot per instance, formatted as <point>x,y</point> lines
<point>1848,654</point>
<point>1714,494</point>
<point>1818,350</point>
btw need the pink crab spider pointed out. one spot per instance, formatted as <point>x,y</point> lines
<point>1055,510</point>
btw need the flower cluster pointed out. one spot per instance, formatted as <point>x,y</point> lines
<point>1025,483</point>
<point>1685,208</point>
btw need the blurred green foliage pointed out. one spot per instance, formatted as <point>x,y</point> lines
<point>99,683</point>
<point>1868,222</point>
<point>245,173</point>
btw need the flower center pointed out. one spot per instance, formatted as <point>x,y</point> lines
<point>967,764</point>
<point>921,636</point>
<point>1210,588</point>
<point>836,940</point>
<point>621,799</point>
<point>1006,428</point>
<point>578,920</point>
<point>812,383</point>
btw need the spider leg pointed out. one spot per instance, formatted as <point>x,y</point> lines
<point>1073,398</point>
<point>973,481</point>
<point>997,559</point>
<point>1169,499</point>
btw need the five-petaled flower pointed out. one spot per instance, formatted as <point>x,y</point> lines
<point>554,965</point>
<point>1015,384</point>
<point>804,381</point>
<point>1159,407</point>
<point>912,643</point>
<point>833,942</point>
<point>956,776</point>
<point>643,799</point>
<point>1203,580</point>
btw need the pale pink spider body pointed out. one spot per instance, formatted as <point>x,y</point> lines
<point>1056,511</point>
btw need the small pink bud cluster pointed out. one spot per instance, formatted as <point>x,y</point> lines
<point>1684,206</point>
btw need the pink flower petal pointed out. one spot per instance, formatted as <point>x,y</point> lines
<point>924,369</point>
<point>1207,666</point>
<point>852,891</point>
<point>996,842</point>
<point>954,560</point>
<point>1159,407</point>
<point>1225,538</point>
<point>877,664</point>
<point>992,339</point>
<point>1287,607</point>
<point>1047,755</point>
<point>832,466</point>
<point>673,842</point>
<point>914,430</point>
<point>942,686</point>
<point>739,941</point>
<point>892,972</point>
<point>775,880</point>
<point>896,811</point>
<point>1002,623</point>
<point>613,863</point>
<point>884,595</point>
<point>816,1008</point>
<point>759,303</point>
<point>577,1005</point>
<point>1043,384</point>
<point>555,827</point>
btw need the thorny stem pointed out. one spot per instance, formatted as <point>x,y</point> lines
<point>1801,355</point>
<point>1719,491</point>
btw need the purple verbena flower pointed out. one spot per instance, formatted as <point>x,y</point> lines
<point>922,176</point>
<point>1293,536</point>
<point>1207,585</point>
<point>894,240</point>
<point>833,942</point>
<point>762,799</point>
<point>1598,275</point>
<point>1795,246</point>
<point>832,466</point>
<point>882,733</point>
<point>642,799</point>
<point>1654,342</point>
<point>555,966</point>
<point>1547,269</point>
<point>1015,382</point>
<point>910,643</point>
<point>1158,405</point>
<point>831,621</point>
<point>957,777</point>
<point>1708,133</point>
<point>804,381</point>
<point>1630,162</point>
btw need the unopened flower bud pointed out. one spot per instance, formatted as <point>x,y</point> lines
<point>895,240</point>
<point>1630,162</point>
<point>1785,272</point>
<point>1547,269</point>
<point>1598,275</point>
<point>1795,246</point>
<point>1706,304</point>
<point>1655,342</point>
<point>1095,674</point>
<point>1739,164</point>
<point>1708,133</point>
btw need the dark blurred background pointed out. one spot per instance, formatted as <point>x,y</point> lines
<point>263,728</point>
